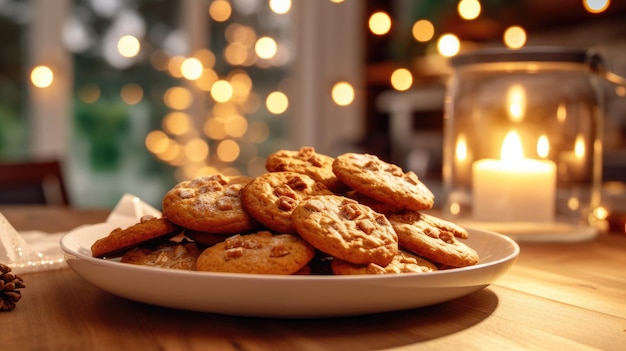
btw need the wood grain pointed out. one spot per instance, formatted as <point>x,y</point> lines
<point>557,296</point>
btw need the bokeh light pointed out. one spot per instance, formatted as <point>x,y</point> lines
<point>401,79</point>
<point>380,23</point>
<point>131,93</point>
<point>89,93</point>
<point>469,9</point>
<point>266,47</point>
<point>423,30</point>
<point>221,91</point>
<point>128,46</point>
<point>41,76</point>
<point>448,45</point>
<point>596,6</point>
<point>177,98</point>
<point>342,93</point>
<point>277,102</point>
<point>514,37</point>
<point>228,150</point>
<point>176,123</point>
<point>220,10</point>
<point>191,68</point>
<point>280,7</point>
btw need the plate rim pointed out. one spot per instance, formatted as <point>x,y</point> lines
<point>70,253</point>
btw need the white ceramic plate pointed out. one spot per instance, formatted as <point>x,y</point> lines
<point>286,296</point>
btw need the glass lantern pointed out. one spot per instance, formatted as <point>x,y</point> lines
<point>522,142</point>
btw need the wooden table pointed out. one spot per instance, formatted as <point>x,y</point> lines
<point>557,296</point>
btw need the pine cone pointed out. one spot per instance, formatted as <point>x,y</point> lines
<point>9,285</point>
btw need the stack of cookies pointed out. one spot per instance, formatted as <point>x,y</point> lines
<point>309,214</point>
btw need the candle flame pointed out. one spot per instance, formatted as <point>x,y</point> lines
<point>543,146</point>
<point>461,148</point>
<point>512,148</point>
<point>579,147</point>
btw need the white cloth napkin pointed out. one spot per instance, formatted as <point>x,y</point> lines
<point>31,251</point>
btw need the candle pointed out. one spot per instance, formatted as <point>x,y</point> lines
<point>513,188</point>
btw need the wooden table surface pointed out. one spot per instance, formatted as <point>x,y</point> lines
<point>556,297</point>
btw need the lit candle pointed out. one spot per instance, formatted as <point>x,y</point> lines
<point>513,188</point>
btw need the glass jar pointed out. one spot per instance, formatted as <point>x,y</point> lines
<point>523,142</point>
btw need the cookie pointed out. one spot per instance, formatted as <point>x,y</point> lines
<point>171,255</point>
<point>345,229</point>
<point>259,253</point>
<point>204,238</point>
<point>209,204</point>
<point>374,204</point>
<point>306,161</point>
<point>271,198</point>
<point>383,181</point>
<point>149,228</point>
<point>403,262</point>
<point>433,238</point>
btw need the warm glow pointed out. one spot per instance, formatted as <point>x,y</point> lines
<point>266,47</point>
<point>561,113</point>
<point>455,208</point>
<point>236,126</point>
<point>177,98</point>
<point>448,45</point>
<point>176,123</point>
<point>461,148</point>
<point>401,79</point>
<point>423,30</point>
<point>236,54</point>
<point>601,212</point>
<point>220,10</point>
<point>596,6</point>
<point>280,7</point>
<point>277,102</point>
<point>221,91</point>
<point>157,142</point>
<point>128,46</point>
<point>214,129</point>
<point>573,203</point>
<point>228,150</point>
<point>131,93</point>
<point>543,146</point>
<point>206,58</point>
<point>516,102</point>
<point>342,93</point>
<point>468,9</point>
<point>380,23</point>
<point>41,76</point>
<point>206,80</point>
<point>174,66</point>
<point>191,68</point>
<point>196,150</point>
<point>512,148</point>
<point>514,37</point>
<point>579,147</point>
